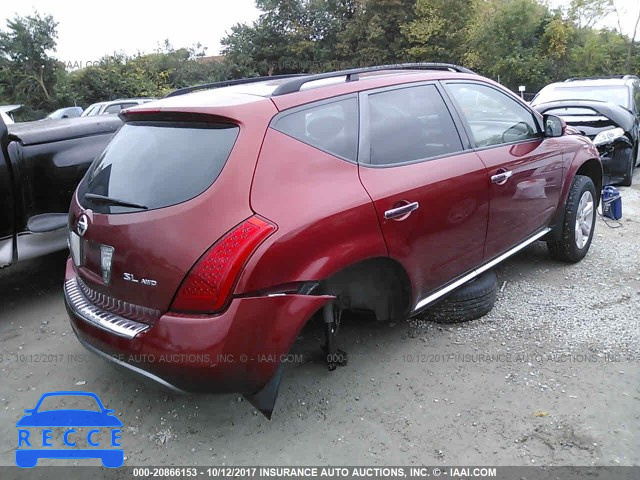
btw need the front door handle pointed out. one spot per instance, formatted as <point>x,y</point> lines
<point>501,177</point>
<point>402,212</point>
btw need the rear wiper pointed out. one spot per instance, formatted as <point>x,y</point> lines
<point>112,201</point>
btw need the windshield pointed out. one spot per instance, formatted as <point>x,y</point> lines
<point>151,165</point>
<point>63,402</point>
<point>610,93</point>
<point>91,110</point>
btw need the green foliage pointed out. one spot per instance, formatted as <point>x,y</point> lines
<point>151,75</point>
<point>28,73</point>
<point>291,36</point>
<point>585,13</point>
<point>518,42</point>
<point>436,34</point>
<point>374,35</point>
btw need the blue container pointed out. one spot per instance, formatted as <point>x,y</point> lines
<point>611,203</point>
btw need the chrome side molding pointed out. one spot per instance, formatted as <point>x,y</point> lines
<point>470,276</point>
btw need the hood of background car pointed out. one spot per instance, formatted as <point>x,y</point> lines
<point>617,115</point>
<point>44,131</point>
<point>69,418</point>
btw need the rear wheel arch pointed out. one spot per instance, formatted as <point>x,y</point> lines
<point>377,284</point>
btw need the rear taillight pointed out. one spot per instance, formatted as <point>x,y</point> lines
<point>208,285</point>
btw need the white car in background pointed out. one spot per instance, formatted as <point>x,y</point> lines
<point>114,106</point>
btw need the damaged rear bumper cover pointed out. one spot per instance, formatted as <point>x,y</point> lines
<point>222,353</point>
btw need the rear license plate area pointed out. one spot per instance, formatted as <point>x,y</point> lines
<point>75,247</point>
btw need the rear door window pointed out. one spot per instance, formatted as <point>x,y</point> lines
<point>410,124</point>
<point>157,164</point>
<point>331,127</point>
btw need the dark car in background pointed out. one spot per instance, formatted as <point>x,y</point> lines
<point>605,109</point>
<point>41,163</point>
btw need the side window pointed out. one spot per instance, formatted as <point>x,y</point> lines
<point>410,124</point>
<point>492,116</point>
<point>330,127</point>
<point>118,107</point>
<point>115,108</point>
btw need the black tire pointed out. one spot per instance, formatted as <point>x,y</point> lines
<point>627,180</point>
<point>473,300</point>
<point>566,249</point>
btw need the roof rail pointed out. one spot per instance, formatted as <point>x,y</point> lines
<point>599,77</point>
<point>352,75</point>
<point>228,83</point>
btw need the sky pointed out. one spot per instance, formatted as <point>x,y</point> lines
<point>86,34</point>
<point>89,30</point>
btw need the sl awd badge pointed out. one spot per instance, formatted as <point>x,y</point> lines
<point>130,277</point>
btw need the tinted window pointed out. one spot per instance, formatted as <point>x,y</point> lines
<point>158,164</point>
<point>117,107</point>
<point>331,127</point>
<point>493,117</point>
<point>410,124</point>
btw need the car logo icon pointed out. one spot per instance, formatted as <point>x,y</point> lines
<point>36,434</point>
<point>82,225</point>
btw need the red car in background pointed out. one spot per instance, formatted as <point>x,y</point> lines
<point>219,220</point>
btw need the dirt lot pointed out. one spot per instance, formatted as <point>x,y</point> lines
<point>551,376</point>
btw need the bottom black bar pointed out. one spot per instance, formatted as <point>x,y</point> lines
<point>46,472</point>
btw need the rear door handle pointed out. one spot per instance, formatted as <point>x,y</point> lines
<point>402,212</point>
<point>501,177</point>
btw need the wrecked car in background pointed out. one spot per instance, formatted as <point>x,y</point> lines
<point>41,163</point>
<point>607,110</point>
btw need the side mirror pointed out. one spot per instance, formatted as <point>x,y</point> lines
<point>553,126</point>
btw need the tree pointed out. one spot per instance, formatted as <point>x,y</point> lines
<point>438,32</point>
<point>586,13</point>
<point>375,33</point>
<point>290,36</point>
<point>144,75</point>
<point>29,73</point>
<point>505,41</point>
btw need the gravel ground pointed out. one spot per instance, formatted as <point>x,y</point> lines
<point>551,376</point>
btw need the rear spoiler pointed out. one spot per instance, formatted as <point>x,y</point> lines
<point>158,115</point>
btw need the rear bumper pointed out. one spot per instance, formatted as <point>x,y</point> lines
<point>238,350</point>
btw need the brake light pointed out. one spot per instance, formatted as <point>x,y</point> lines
<point>208,285</point>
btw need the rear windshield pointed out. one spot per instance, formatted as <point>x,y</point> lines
<point>154,165</point>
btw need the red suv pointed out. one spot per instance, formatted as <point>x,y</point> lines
<point>220,219</point>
